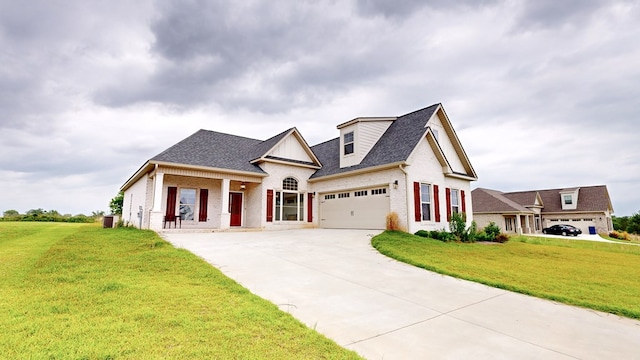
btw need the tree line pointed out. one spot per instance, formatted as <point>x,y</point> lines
<point>51,216</point>
<point>115,205</point>
<point>630,224</point>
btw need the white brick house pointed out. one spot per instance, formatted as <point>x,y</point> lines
<point>413,165</point>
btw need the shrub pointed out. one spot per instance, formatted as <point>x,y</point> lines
<point>442,235</point>
<point>470,234</point>
<point>393,222</point>
<point>458,225</point>
<point>483,236</point>
<point>492,230</point>
<point>620,235</point>
<point>501,238</point>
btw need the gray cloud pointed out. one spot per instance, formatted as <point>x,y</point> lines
<point>224,53</point>
<point>90,90</point>
<point>550,13</point>
<point>404,8</point>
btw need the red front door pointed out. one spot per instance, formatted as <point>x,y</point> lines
<point>235,208</point>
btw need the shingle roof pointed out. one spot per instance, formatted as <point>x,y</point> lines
<point>590,199</point>
<point>395,145</point>
<point>219,150</point>
<point>524,198</point>
<point>214,149</point>
<point>487,200</point>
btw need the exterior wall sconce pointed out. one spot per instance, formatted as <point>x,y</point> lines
<point>313,194</point>
<point>243,186</point>
<point>395,184</point>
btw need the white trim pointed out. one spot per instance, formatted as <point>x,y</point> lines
<point>358,171</point>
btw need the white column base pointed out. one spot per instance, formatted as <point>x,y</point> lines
<point>225,221</point>
<point>156,220</point>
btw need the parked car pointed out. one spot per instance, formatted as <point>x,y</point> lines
<point>564,230</point>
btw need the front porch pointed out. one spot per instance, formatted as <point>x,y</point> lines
<point>522,223</point>
<point>203,201</point>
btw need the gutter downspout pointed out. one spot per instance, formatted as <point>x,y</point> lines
<point>407,196</point>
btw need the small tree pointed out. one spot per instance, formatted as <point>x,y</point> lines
<point>116,204</point>
<point>458,227</point>
<point>492,230</point>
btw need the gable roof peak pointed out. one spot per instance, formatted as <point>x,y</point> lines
<point>366,119</point>
<point>264,150</point>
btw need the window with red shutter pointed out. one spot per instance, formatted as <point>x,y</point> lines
<point>448,194</point>
<point>269,205</point>
<point>416,201</point>
<point>204,200</point>
<point>436,202</point>
<point>464,203</point>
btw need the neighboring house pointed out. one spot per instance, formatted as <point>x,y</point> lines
<point>413,165</point>
<point>587,208</point>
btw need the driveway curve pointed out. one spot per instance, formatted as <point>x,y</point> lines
<point>335,282</point>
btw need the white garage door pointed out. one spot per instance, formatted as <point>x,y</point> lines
<point>355,209</point>
<point>582,224</point>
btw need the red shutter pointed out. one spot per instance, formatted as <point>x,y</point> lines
<point>416,201</point>
<point>448,191</point>
<point>269,205</point>
<point>172,192</point>
<point>464,203</point>
<point>204,200</point>
<point>309,207</point>
<point>436,202</point>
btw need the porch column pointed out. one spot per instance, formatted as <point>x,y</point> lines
<point>155,215</point>
<point>157,192</point>
<point>527,224</point>
<point>518,224</point>
<point>225,216</point>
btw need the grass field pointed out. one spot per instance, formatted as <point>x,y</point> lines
<point>595,275</point>
<point>77,291</point>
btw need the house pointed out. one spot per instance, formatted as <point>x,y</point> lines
<point>413,165</point>
<point>587,208</point>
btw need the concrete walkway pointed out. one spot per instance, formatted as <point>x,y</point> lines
<point>335,282</point>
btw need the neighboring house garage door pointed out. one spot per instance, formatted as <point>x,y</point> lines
<point>355,209</point>
<point>582,224</point>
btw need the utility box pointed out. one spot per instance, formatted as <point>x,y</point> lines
<point>109,221</point>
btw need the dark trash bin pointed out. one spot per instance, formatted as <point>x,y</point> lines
<point>107,221</point>
<point>592,230</point>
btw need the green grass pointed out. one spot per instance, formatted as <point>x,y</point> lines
<point>594,275</point>
<point>77,291</point>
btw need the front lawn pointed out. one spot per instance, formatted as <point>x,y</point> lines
<point>595,275</point>
<point>77,291</point>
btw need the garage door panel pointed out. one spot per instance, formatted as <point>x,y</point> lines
<point>355,212</point>
<point>582,224</point>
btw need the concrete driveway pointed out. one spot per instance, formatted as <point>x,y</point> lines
<point>335,282</point>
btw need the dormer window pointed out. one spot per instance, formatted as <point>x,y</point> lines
<point>348,143</point>
<point>568,199</point>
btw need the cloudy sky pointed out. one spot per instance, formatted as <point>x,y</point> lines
<point>543,93</point>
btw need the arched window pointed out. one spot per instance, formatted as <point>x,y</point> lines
<point>289,204</point>
<point>290,184</point>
